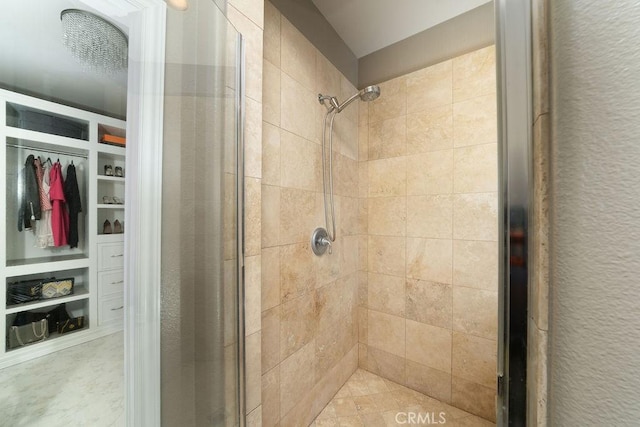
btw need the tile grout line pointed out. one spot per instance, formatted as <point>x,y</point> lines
<point>452,240</point>
<point>406,242</point>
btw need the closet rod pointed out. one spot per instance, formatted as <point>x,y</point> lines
<point>43,150</point>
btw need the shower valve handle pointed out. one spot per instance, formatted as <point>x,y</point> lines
<point>320,241</point>
<point>326,242</point>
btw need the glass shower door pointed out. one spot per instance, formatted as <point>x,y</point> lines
<point>201,321</point>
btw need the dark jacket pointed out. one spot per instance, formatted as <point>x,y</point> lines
<point>28,196</point>
<point>72,196</point>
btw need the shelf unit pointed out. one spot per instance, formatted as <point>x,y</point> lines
<point>110,179</point>
<point>79,293</point>
<point>114,206</point>
<point>98,295</point>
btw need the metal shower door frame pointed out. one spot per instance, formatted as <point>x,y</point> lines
<point>240,237</point>
<point>513,59</point>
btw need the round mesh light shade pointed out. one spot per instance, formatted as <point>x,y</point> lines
<point>96,43</point>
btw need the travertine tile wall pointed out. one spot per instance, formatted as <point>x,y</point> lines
<point>247,16</point>
<point>428,199</point>
<point>309,307</point>
<point>537,366</point>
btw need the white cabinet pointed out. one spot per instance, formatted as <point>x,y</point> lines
<point>110,282</point>
<point>111,310</point>
<point>110,256</point>
<point>70,136</point>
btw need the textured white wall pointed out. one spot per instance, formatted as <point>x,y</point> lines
<point>595,291</point>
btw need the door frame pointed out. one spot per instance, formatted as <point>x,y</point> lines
<point>145,116</point>
<point>143,198</point>
<point>513,59</point>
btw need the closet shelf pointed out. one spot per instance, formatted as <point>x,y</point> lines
<point>116,179</point>
<point>46,141</point>
<point>79,293</point>
<point>112,149</point>
<point>111,238</point>
<point>110,206</point>
<point>24,267</point>
<point>78,336</point>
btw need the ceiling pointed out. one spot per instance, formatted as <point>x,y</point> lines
<point>369,25</point>
<point>34,60</point>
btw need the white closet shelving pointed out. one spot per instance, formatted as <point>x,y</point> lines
<point>97,263</point>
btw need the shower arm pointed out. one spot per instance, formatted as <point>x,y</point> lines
<point>331,103</point>
<point>348,101</point>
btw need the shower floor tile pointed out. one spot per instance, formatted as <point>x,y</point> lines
<point>370,401</point>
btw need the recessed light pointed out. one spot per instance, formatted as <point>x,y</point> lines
<point>178,4</point>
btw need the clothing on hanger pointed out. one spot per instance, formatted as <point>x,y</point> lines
<point>28,196</point>
<point>59,214</point>
<point>44,233</point>
<point>74,205</point>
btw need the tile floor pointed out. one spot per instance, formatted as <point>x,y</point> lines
<point>78,386</point>
<point>89,392</point>
<point>370,401</point>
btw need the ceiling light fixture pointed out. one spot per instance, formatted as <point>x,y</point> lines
<point>178,4</point>
<point>96,43</point>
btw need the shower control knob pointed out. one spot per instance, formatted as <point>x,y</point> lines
<point>327,242</point>
<point>320,241</point>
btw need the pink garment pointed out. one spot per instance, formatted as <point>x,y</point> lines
<point>43,187</point>
<point>59,214</point>
<point>44,233</point>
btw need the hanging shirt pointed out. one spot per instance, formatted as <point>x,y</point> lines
<point>59,214</point>
<point>43,187</point>
<point>72,196</point>
<point>44,233</point>
<point>29,202</point>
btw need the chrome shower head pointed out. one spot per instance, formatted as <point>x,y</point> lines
<point>369,93</point>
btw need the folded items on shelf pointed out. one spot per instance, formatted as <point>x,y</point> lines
<point>113,140</point>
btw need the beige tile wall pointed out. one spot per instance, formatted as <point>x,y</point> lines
<point>309,306</point>
<point>247,17</point>
<point>429,226</point>
<point>537,346</point>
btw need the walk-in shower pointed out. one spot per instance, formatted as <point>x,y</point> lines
<point>322,238</point>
